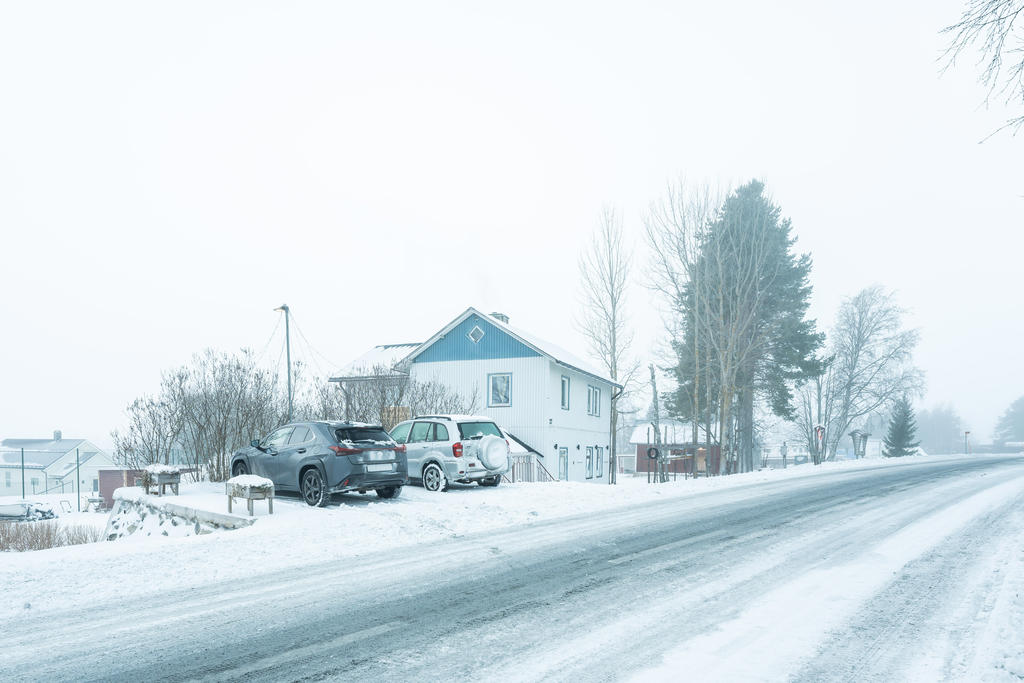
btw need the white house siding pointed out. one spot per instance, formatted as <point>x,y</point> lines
<point>10,479</point>
<point>574,428</point>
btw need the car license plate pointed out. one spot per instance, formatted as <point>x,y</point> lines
<point>380,468</point>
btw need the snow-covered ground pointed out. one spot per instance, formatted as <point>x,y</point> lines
<point>352,525</point>
<point>964,535</point>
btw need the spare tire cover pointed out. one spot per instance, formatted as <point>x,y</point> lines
<point>493,452</point>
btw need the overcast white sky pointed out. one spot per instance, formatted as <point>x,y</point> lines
<point>171,173</point>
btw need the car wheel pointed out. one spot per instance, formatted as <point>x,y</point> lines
<point>389,492</point>
<point>434,479</point>
<point>240,468</point>
<point>313,488</point>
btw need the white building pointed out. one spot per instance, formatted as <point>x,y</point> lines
<point>554,403</point>
<point>50,465</point>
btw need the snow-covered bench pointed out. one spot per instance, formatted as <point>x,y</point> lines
<point>250,487</point>
<point>161,476</point>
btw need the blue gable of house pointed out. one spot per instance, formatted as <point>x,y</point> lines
<point>457,345</point>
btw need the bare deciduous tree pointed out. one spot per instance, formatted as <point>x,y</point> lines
<point>995,27</point>
<point>675,227</point>
<point>217,403</point>
<point>206,409</point>
<point>386,397</point>
<point>868,370</point>
<point>151,436</point>
<point>604,276</point>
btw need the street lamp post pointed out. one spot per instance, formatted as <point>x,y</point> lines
<point>288,355</point>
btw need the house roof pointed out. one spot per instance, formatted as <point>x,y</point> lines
<point>385,356</point>
<point>42,451</point>
<point>673,431</point>
<point>545,348</point>
<point>43,445</point>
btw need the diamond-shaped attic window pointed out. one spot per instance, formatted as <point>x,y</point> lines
<point>475,334</point>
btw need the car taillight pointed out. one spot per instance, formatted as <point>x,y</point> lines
<point>400,448</point>
<point>457,449</point>
<point>341,450</point>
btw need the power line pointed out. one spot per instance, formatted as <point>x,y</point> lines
<point>269,339</point>
<point>312,348</point>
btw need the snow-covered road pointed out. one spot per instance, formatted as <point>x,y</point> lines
<point>913,571</point>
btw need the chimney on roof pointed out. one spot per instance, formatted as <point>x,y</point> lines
<point>57,435</point>
<point>500,316</point>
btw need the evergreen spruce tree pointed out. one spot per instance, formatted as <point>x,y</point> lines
<point>899,441</point>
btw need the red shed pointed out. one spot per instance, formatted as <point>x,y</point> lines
<point>681,457</point>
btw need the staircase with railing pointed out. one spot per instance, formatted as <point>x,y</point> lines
<point>526,467</point>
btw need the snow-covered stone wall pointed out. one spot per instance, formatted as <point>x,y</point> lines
<point>138,514</point>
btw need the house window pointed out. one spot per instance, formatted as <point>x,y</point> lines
<point>593,401</point>
<point>96,485</point>
<point>600,462</point>
<point>475,334</point>
<point>565,393</point>
<point>563,464</point>
<point>590,462</point>
<point>499,390</point>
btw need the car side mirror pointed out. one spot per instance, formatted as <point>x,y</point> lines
<point>255,443</point>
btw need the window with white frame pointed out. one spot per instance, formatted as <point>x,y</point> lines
<point>499,390</point>
<point>600,462</point>
<point>593,400</point>
<point>565,393</point>
<point>475,334</point>
<point>590,462</point>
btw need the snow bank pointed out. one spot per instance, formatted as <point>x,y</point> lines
<point>139,515</point>
<point>65,507</point>
<point>28,511</point>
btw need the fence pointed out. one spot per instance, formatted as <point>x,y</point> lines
<point>526,467</point>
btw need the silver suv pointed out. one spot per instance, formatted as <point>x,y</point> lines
<point>444,448</point>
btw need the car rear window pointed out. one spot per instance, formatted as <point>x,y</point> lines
<point>361,434</point>
<point>476,430</point>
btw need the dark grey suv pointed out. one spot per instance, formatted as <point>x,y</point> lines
<point>317,459</point>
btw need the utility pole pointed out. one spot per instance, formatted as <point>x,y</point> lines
<point>78,480</point>
<point>967,448</point>
<point>661,478</point>
<point>288,355</point>
<point>23,474</point>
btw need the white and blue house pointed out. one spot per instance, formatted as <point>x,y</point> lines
<point>555,404</point>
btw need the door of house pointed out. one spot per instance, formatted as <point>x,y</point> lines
<point>563,464</point>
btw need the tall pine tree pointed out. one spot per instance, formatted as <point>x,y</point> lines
<point>900,439</point>
<point>753,336</point>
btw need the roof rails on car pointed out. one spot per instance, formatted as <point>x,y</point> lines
<point>432,417</point>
